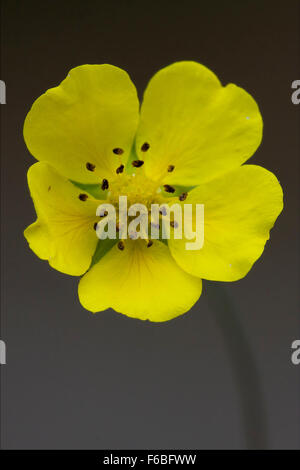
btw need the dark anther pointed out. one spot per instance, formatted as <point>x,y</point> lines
<point>118,227</point>
<point>150,243</point>
<point>95,225</point>
<point>145,147</point>
<point>90,166</point>
<point>171,168</point>
<point>103,214</point>
<point>83,197</point>
<point>120,169</point>
<point>183,196</point>
<point>49,187</point>
<point>121,245</point>
<point>174,224</point>
<point>169,189</point>
<point>118,151</point>
<point>163,210</point>
<point>104,184</point>
<point>137,163</point>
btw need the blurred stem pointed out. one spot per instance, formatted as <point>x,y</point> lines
<point>243,364</point>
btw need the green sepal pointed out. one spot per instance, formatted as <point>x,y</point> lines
<point>102,248</point>
<point>93,189</point>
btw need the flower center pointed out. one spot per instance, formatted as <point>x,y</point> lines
<point>138,189</point>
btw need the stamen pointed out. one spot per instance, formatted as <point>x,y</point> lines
<point>121,245</point>
<point>103,213</point>
<point>118,151</point>
<point>169,189</point>
<point>150,243</point>
<point>95,225</point>
<point>49,187</point>
<point>174,224</point>
<point>118,227</point>
<point>183,196</point>
<point>90,166</point>
<point>171,168</point>
<point>137,163</point>
<point>120,169</point>
<point>145,147</point>
<point>83,197</point>
<point>104,185</point>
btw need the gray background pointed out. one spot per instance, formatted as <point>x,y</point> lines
<point>218,377</point>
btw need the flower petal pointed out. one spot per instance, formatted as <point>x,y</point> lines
<point>64,231</point>
<point>77,125</point>
<point>193,123</point>
<point>240,208</point>
<point>140,282</point>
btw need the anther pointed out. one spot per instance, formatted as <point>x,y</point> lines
<point>137,163</point>
<point>103,213</point>
<point>150,243</point>
<point>120,169</point>
<point>145,147</point>
<point>83,197</point>
<point>174,224</point>
<point>104,184</point>
<point>121,245</point>
<point>90,166</point>
<point>183,196</point>
<point>118,151</point>
<point>171,168</point>
<point>95,225</point>
<point>118,227</point>
<point>169,189</point>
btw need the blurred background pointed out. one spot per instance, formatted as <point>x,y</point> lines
<point>220,376</point>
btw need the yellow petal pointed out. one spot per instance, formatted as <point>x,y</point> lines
<point>64,231</point>
<point>140,282</point>
<point>240,208</point>
<point>81,121</point>
<point>39,239</point>
<point>193,123</point>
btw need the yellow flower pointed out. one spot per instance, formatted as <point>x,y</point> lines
<point>190,139</point>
